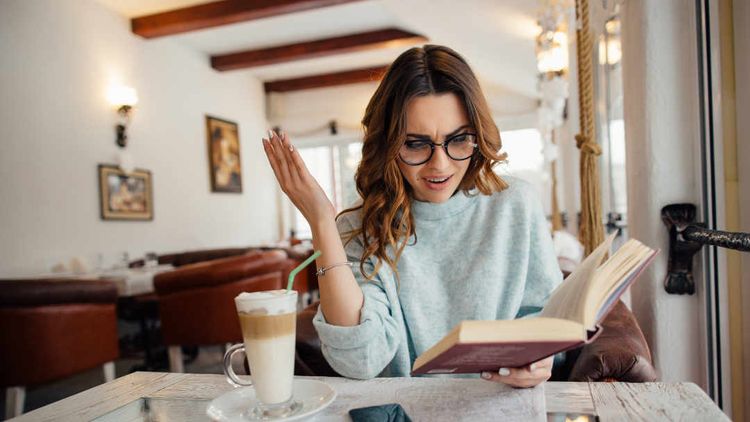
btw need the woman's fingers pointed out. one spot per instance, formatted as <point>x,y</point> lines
<point>297,161</point>
<point>271,158</point>
<point>289,153</point>
<point>281,161</point>
<point>527,376</point>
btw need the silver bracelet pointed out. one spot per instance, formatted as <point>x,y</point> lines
<point>321,272</point>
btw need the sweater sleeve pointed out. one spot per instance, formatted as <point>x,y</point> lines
<point>543,274</point>
<point>362,351</point>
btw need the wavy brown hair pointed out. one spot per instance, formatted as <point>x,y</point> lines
<point>387,220</point>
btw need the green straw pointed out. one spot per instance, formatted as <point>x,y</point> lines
<point>301,267</point>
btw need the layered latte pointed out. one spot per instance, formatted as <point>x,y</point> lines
<point>268,320</point>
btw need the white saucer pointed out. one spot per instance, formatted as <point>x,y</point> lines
<point>232,406</point>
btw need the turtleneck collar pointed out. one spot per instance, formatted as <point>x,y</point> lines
<point>457,203</point>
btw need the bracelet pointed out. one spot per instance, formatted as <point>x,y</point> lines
<point>321,272</point>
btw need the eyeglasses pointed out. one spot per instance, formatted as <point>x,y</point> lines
<point>419,151</point>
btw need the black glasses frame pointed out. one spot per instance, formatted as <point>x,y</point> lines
<point>444,145</point>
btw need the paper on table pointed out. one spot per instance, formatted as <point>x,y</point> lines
<point>435,399</point>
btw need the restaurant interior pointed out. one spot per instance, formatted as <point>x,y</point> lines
<point>138,201</point>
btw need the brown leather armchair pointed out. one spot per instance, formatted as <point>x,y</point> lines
<point>54,328</point>
<point>620,353</point>
<point>196,301</point>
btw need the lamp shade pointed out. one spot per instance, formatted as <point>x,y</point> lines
<point>121,95</point>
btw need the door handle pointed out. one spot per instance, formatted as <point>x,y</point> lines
<point>686,237</point>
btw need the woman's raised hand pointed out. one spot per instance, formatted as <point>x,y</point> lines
<point>295,180</point>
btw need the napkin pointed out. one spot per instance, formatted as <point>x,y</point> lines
<point>392,412</point>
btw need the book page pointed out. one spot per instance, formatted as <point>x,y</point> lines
<point>568,299</point>
<point>637,258</point>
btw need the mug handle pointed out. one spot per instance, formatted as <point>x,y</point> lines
<point>232,378</point>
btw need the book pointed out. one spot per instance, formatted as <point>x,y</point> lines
<point>570,319</point>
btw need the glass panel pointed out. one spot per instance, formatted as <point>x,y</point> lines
<point>349,157</point>
<point>611,128</point>
<point>524,148</point>
<point>318,161</point>
<point>526,160</point>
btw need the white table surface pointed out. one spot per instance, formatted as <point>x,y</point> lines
<point>135,281</point>
<point>129,281</point>
<point>422,398</point>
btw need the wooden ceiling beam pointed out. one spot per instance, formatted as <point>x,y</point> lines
<point>371,74</point>
<point>383,38</point>
<point>217,13</point>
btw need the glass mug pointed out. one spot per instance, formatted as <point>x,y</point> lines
<point>268,320</point>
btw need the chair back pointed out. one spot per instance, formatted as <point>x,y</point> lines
<point>196,301</point>
<point>54,328</point>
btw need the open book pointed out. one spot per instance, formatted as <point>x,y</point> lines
<point>570,319</point>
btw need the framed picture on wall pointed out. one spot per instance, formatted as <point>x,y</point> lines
<point>125,196</point>
<point>224,155</point>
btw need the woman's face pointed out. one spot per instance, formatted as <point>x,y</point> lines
<point>437,117</point>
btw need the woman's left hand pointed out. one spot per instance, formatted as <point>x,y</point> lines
<point>524,377</point>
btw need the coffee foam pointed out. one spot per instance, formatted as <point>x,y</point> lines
<point>270,302</point>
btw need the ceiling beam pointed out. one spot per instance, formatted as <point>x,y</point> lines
<point>372,74</point>
<point>383,38</point>
<point>219,13</point>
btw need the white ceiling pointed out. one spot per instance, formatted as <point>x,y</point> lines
<point>495,36</point>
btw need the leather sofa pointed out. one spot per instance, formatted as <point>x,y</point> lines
<point>620,353</point>
<point>196,301</point>
<point>178,259</point>
<point>54,328</point>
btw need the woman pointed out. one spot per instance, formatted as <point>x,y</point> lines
<point>438,236</point>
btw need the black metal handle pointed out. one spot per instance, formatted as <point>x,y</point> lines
<point>729,240</point>
<point>686,238</point>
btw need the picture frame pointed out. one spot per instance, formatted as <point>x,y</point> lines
<point>224,162</point>
<point>125,196</point>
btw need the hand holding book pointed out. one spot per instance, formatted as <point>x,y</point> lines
<point>525,377</point>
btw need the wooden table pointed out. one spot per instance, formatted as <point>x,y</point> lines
<point>185,397</point>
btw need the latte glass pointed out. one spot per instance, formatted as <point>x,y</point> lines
<point>268,320</point>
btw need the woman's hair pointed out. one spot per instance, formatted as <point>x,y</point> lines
<point>386,198</point>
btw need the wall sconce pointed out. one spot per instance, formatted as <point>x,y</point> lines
<point>124,98</point>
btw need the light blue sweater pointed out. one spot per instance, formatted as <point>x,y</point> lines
<point>479,257</point>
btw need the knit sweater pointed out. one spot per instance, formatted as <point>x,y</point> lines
<point>476,257</point>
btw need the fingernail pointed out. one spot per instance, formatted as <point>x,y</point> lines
<point>486,375</point>
<point>270,134</point>
<point>504,372</point>
<point>291,147</point>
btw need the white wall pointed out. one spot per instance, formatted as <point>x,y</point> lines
<point>59,57</point>
<point>662,131</point>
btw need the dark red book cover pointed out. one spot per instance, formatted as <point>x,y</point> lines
<point>470,358</point>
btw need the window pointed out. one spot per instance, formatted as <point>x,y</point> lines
<point>525,149</point>
<point>333,166</point>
